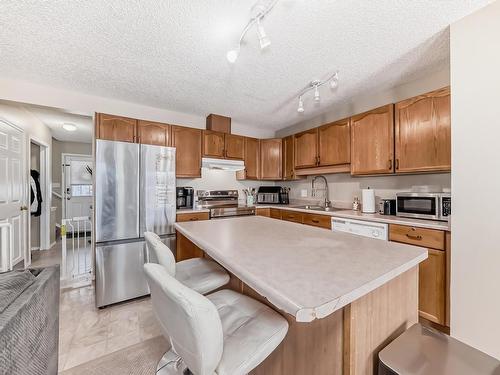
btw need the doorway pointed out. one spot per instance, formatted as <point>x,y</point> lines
<point>39,202</point>
<point>77,186</point>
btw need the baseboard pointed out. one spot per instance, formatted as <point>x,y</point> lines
<point>52,245</point>
<point>35,248</point>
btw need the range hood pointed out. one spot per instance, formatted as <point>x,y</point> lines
<point>223,164</point>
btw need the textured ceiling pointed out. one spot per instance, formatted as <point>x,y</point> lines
<point>171,54</point>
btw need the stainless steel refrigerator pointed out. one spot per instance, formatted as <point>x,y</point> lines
<point>134,193</point>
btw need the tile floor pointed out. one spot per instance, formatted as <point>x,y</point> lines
<point>87,333</point>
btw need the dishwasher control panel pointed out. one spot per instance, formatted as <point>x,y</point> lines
<point>369,229</point>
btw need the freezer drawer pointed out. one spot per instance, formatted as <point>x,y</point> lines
<point>120,272</point>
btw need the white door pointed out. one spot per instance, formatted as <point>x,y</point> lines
<point>77,174</point>
<point>13,207</point>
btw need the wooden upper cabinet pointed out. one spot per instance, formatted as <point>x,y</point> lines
<point>423,132</point>
<point>270,159</point>
<point>288,158</point>
<point>306,149</point>
<point>372,141</point>
<point>334,143</point>
<point>252,158</point>
<point>153,133</point>
<point>116,128</point>
<point>234,147</point>
<point>187,142</point>
<point>213,144</point>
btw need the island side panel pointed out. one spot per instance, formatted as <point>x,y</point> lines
<point>308,348</point>
<point>374,320</point>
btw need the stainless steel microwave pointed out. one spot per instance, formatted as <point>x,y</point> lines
<point>432,206</point>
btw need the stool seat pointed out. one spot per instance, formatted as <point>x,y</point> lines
<point>201,275</point>
<point>251,331</point>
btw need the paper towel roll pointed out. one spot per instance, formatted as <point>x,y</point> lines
<point>368,196</point>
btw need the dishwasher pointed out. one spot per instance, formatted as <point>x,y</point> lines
<point>370,229</point>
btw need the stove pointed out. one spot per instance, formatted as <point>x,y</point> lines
<point>222,203</point>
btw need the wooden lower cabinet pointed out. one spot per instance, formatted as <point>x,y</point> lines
<point>275,213</point>
<point>192,216</point>
<point>432,272</point>
<point>296,217</point>
<point>263,212</point>
<point>317,220</point>
<point>432,283</point>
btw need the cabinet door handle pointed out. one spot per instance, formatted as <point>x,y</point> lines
<point>397,163</point>
<point>193,219</point>
<point>316,221</point>
<point>417,237</point>
<point>390,163</point>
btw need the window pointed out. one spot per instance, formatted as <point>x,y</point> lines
<point>81,190</point>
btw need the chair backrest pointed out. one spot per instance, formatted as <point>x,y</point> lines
<point>189,319</point>
<point>163,253</point>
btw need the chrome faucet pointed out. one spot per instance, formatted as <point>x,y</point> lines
<point>313,189</point>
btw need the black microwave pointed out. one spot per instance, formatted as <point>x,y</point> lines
<point>432,206</point>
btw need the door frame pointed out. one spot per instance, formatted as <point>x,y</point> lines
<point>45,186</point>
<point>63,179</point>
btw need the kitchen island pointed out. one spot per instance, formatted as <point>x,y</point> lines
<point>345,297</point>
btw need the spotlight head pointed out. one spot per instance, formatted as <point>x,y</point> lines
<point>263,39</point>
<point>316,94</point>
<point>334,81</point>
<point>301,105</point>
<point>232,55</point>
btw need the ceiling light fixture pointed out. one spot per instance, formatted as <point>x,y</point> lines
<point>260,10</point>
<point>315,85</point>
<point>69,127</point>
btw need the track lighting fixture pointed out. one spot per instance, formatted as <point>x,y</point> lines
<point>315,85</point>
<point>260,10</point>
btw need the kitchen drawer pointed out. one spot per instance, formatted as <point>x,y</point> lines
<point>296,217</point>
<point>322,221</point>
<point>275,213</point>
<point>192,216</point>
<point>431,238</point>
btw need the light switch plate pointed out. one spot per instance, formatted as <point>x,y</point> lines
<point>303,193</point>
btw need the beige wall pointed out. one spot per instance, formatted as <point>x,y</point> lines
<point>475,261</point>
<point>59,148</point>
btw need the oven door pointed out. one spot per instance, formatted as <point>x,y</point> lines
<point>418,206</point>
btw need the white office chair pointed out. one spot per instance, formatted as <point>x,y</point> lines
<point>200,274</point>
<point>224,333</point>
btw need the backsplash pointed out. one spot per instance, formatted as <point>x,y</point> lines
<point>213,179</point>
<point>343,187</point>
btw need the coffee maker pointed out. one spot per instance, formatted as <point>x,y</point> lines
<point>185,197</point>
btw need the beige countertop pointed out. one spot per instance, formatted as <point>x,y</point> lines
<point>191,210</point>
<point>350,214</point>
<point>305,271</point>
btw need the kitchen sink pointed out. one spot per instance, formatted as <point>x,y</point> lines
<point>318,208</point>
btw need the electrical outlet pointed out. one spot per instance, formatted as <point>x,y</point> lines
<point>303,193</point>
